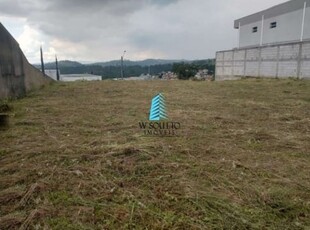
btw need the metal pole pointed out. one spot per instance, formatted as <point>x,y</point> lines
<point>239,35</point>
<point>122,73</point>
<point>262,31</point>
<point>303,22</point>
<point>57,70</point>
<point>42,62</point>
<point>122,64</point>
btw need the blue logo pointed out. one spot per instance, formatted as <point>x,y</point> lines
<point>158,124</point>
<point>158,108</point>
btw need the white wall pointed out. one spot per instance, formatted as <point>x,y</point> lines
<point>247,38</point>
<point>288,29</point>
<point>307,24</point>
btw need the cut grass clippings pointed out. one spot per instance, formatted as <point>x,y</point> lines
<point>74,157</point>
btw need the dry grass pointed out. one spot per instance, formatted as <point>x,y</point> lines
<point>74,158</point>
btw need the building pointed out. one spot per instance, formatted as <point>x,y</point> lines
<point>272,43</point>
<point>80,77</point>
<point>287,22</point>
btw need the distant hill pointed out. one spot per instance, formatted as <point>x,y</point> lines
<point>147,62</point>
<point>112,69</point>
<point>143,63</point>
<point>61,64</point>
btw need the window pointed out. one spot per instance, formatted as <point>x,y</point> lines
<point>254,29</point>
<point>273,25</point>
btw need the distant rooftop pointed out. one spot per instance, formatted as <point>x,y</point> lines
<point>80,77</point>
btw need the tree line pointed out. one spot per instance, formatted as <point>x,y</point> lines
<point>187,70</point>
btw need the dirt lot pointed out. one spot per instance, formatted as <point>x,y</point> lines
<point>75,158</point>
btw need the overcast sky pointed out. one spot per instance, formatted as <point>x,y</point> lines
<point>99,30</point>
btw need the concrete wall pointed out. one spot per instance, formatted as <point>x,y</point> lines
<point>288,29</point>
<point>17,76</point>
<point>282,61</point>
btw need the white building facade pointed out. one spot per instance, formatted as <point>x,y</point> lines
<point>287,22</point>
<point>273,43</point>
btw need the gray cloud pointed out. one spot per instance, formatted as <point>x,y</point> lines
<point>163,2</point>
<point>101,29</point>
<point>17,7</point>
